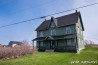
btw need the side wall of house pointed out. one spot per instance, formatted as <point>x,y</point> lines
<point>80,38</point>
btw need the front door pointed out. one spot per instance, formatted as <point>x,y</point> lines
<point>52,44</point>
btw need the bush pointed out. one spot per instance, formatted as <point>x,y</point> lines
<point>14,52</point>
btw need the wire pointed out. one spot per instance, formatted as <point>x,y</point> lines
<point>72,9</point>
<point>47,15</point>
<point>19,22</point>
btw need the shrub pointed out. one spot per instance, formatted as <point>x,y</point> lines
<point>13,52</point>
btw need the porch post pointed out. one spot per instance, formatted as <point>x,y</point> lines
<point>57,44</point>
<point>39,44</point>
<point>33,43</point>
<point>76,44</point>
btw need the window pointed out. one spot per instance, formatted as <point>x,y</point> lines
<point>68,30</point>
<point>69,43</point>
<point>41,43</point>
<point>78,30</point>
<point>53,32</point>
<point>41,34</point>
<point>74,40</point>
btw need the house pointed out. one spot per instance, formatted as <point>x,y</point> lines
<point>63,33</point>
<point>14,44</point>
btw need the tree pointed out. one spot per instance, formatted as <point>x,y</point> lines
<point>25,42</point>
<point>89,43</point>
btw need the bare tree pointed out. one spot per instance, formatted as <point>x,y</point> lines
<point>89,43</point>
<point>25,42</point>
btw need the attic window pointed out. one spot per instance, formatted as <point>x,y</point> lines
<point>52,24</point>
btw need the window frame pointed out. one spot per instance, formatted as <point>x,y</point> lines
<point>68,30</point>
<point>53,32</point>
<point>41,44</point>
<point>69,42</point>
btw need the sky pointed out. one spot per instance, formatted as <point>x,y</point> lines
<point>12,11</point>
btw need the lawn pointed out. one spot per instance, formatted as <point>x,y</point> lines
<point>88,56</point>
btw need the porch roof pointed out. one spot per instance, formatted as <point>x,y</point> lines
<point>39,39</point>
<point>55,37</point>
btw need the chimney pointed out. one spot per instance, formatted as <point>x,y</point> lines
<point>76,11</point>
<point>45,19</point>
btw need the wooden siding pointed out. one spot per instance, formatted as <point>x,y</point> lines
<point>80,39</point>
<point>59,31</point>
<point>62,44</point>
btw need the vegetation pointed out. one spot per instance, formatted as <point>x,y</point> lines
<point>13,52</point>
<point>56,58</point>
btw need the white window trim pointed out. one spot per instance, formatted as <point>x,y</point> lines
<point>69,43</point>
<point>68,30</point>
<point>53,32</point>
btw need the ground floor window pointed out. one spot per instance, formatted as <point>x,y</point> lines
<point>41,43</point>
<point>71,42</point>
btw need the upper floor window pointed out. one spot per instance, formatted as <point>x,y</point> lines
<point>68,30</point>
<point>41,34</point>
<point>53,32</point>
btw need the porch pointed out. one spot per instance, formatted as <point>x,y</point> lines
<point>56,45</point>
<point>60,43</point>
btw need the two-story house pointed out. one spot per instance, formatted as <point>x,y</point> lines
<point>63,33</point>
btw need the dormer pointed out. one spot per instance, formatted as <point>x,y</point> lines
<point>53,23</point>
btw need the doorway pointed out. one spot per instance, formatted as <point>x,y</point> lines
<point>52,44</point>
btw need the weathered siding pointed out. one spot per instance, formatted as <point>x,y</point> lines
<point>80,39</point>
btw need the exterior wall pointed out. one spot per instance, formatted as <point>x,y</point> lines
<point>80,38</point>
<point>61,44</point>
<point>59,30</point>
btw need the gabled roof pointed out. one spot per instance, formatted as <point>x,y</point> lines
<point>62,21</point>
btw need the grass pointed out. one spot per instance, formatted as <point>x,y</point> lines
<point>56,58</point>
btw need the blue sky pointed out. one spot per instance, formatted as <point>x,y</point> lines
<point>12,11</point>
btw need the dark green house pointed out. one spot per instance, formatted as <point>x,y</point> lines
<point>63,33</point>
